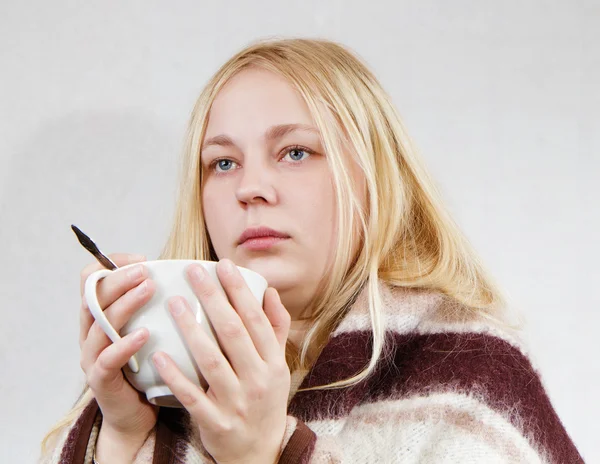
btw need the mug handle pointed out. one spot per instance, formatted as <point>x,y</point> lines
<point>91,299</point>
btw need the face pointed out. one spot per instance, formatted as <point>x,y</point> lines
<point>264,166</point>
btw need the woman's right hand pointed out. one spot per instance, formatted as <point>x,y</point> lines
<point>125,411</point>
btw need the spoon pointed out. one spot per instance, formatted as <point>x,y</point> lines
<point>90,246</point>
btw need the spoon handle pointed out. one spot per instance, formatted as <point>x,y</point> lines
<point>90,246</point>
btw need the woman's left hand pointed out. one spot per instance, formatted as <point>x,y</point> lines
<point>242,415</point>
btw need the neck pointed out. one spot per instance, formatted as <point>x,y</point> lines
<point>297,330</point>
<point>296,299</point>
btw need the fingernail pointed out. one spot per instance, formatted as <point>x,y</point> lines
<point>136,258</point>
<point>135,273</point>
<point>176,306</point>
<point>198,272</point>
<point>139,335</point>
<point>142,288</point>
<point>159,360</point>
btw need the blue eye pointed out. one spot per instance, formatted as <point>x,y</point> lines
<point>296,154</point>
<point>223,164</point>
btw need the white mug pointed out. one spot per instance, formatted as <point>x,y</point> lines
<point>171,280</point>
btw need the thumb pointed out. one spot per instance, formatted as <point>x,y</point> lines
<point>277,315</point>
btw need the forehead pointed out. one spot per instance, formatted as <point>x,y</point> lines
<point>254,100</point>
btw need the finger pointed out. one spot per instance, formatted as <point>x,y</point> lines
<point>231,333</point>
<point>118,314</point>
<point>136,296</point>
<point>108,291</point>
<point>249,309</point>
<point>116,284</point>
<point>110,362</point>
<point>213,365</point>
<point>120,259</point>
<point>86,320</point>
<point>196,401</point>
<point>278,316</point>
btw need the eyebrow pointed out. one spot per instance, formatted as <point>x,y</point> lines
<point>272,133</point>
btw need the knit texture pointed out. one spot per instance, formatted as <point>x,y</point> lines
<point>452,387</point>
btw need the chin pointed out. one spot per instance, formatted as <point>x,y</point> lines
<point>277,271</point>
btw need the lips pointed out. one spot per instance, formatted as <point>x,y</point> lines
<point>260,232</point>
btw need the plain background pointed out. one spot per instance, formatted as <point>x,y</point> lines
<point>501,98</point>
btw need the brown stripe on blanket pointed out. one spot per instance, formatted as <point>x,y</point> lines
<point>172,435</point>
<point>300,446</point>
<point>471,363</point>
<point>75,446</point>
<point>344,356</point>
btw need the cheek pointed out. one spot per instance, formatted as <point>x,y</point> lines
<point>215,213</point>
<point>316,211</point>
<point>207,210</point>
<point>214,199</point>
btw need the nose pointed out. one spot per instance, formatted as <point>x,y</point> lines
<point>255,185</point>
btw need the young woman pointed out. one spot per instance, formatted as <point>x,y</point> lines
<point>381,338</point>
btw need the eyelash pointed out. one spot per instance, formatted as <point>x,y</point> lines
<point>285,151</point>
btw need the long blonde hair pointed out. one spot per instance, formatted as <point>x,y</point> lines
<point>406,236</point>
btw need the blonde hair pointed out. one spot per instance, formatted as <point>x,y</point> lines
<point>406,236</point>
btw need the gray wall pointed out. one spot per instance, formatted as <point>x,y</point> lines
<point>501,98</point>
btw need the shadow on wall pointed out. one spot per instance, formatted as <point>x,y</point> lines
<point>112,173</point>
<point>116,164</point>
